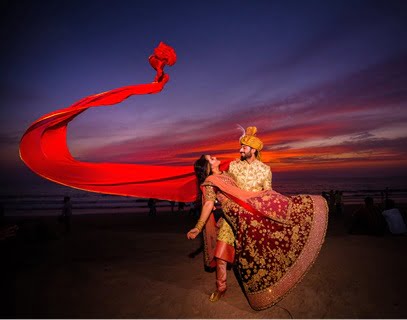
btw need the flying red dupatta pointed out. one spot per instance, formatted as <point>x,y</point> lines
<point>44,150</point>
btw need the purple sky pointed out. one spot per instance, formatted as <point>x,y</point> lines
<point>325,82</point>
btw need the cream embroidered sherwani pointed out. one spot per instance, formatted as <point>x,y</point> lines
<point>255,176</point>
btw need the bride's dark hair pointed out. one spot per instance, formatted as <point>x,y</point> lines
<point>202,171</point>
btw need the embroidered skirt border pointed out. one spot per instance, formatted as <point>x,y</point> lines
<point>270,296</point>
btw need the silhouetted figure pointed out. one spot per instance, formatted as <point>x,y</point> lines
<point>181,206</point>
<point>331,202</point>
<point>367,219</point>
<point>152,205</point>
<point>67,213</point>
<point>191,210</point>
<point>195,209</point>
<point>382,198</point>
<point>7,230</point>
<point>394,219</point>
<point>172,203</point>
<point>386,194</point>
<point>338,202</point>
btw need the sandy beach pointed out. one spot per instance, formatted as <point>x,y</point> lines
<point>136,266</point>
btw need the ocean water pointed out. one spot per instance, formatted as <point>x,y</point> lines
<point>354,189</point>
<point>46,198</point>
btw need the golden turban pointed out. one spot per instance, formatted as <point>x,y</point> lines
<point>250,139</point>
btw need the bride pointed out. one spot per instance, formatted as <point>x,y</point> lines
<point>278,237</point>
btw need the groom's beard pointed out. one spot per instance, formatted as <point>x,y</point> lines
<point>245,156</point>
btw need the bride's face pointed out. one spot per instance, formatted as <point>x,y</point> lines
<point>214,163</point>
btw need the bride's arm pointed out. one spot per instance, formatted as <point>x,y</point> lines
<point>206,211</point>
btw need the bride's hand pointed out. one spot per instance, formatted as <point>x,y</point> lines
<point>193,233</point>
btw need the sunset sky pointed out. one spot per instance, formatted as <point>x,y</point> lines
<point>325,82</point>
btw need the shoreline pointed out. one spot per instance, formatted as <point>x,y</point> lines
<point>347,209</point>
<point>162,208</point>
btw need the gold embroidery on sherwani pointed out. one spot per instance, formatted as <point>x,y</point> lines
<point>255,176</point>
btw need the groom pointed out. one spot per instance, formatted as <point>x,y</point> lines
<point>252,175</point>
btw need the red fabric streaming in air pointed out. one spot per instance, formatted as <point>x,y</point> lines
<point>43,148</point>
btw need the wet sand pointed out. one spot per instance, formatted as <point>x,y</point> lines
<point>136,266</point>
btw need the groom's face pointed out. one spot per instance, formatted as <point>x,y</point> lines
<point>245,152</point>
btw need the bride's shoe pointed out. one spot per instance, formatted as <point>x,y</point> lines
<point>215,296</point>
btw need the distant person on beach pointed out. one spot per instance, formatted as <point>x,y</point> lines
<point>338,202</point>
<point>277,238</point>
<point>67,213</point>
<point>181,207</point>
<point>191,207</point>
<point>6,230</point>
<point>331,202</point>
<point>394,218</point>
<point>325,195</point>
<point>152,205</point>
<point>367,219</point>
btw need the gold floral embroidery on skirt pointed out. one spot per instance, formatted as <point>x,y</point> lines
<point>266,249</point>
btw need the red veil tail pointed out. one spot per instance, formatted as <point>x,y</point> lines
<point>43,148</point>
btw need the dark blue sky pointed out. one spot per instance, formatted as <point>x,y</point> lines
<point>324,81</point>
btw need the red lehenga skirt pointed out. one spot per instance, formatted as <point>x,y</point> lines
<point>272,257</point>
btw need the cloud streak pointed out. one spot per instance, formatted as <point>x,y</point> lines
<point>335,125</point>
